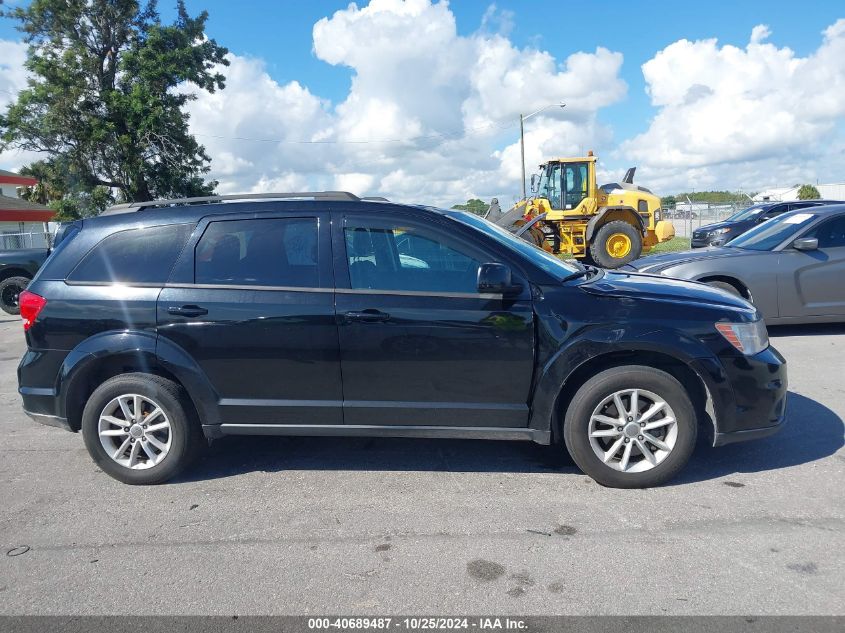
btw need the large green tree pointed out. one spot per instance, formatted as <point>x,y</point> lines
<point>106,95</point>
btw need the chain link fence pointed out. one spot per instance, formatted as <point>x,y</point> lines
<point>17,241</point>
<point>688,216</point>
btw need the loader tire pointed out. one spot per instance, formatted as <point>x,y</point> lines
<point>615,244</point>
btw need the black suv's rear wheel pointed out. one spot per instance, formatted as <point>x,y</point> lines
<point>137,429</point>
<point>10,290</point>
<point>631,427</point>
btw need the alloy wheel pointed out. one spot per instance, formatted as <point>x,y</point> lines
<point>633,430</point>
<point>135,431</point>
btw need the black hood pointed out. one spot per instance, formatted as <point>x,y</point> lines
<point>656,288</point>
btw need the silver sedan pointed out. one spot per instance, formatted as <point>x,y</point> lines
<point>791,267</point>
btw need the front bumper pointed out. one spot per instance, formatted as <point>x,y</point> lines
<point>759,391</point>
<point>721,439</point>
<point>705,242</point>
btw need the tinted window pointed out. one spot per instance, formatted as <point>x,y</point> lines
<point>408,259</point>
<point>271,252</point>
<point>770,234</point>
<point>831,233</point>
<point>802,205</point>
<point>134,256</point>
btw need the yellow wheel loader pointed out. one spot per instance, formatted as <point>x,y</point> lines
<point>610,225</point>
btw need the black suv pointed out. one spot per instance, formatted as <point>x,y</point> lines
<point>720,233</point>
<point>157,327</point>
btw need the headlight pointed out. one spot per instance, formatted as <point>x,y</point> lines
<point>657,215</point>
<point>721,231</point>
<point>748,338</point>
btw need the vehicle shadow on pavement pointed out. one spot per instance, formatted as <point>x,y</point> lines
<point>235,455</point>
<point>812,432</point>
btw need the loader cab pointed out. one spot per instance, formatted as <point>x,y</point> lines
<point>566,183</point>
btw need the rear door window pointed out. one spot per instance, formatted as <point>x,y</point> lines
<point>134,256</point>
<point>263,252</point>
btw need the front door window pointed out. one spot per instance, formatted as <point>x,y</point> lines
<point>410,259</point>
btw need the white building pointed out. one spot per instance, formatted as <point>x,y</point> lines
<point>834,191</point>
<point>23,224</point>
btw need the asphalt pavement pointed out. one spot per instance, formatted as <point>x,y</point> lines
<point>403,526</point>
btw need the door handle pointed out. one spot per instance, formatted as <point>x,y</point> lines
<point>368,316</point>
<point>187,311</point>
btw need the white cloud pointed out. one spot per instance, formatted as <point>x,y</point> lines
<point>729,116</point>
<point>12,80</point>
<point>431,115</point>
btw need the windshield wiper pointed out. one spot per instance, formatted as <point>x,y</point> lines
<point>587,270</point>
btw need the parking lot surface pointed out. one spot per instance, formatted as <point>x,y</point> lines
<point>399,526</point>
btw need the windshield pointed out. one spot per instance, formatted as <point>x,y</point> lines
<point>747,214</point>
<point>766,236</point>
<point>548,262</point>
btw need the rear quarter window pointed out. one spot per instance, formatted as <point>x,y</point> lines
<point>134,256</point>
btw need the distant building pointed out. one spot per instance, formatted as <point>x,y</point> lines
<point>834,191</point>
<point>23,224</point>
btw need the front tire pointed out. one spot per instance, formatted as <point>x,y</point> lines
<point>631,427</point>
<point>138,428</point>
<point>615,244</point>
<point>10,290</point>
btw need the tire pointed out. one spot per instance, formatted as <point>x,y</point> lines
<point>727,287</point>
<point>596,395</point>
<point>615,244</point>
<point>9,290</point>
<point>183,440</point>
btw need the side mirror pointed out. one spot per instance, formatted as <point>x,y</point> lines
<point>496,278</point>
<point>806,244</point>
<point>534,183</point>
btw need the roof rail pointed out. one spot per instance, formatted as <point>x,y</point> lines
<point>316,195</point>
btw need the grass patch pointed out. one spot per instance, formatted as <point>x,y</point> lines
<point>673,245</point>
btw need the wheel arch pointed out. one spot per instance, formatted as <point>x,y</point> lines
<point>712,398</point>
<point>6,273</point>
<point>609,214</point>
<point>734,281</point>
<point>113,353</point>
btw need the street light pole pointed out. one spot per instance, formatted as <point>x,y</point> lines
<point>522,119</point>
<point>522,149</point>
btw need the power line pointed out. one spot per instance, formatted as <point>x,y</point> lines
<point>438,135</point>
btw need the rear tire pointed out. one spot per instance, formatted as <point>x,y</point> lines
<point>615,244</point>
<point>140,429</point>
<point>10,290</point>
<point>593,421</point>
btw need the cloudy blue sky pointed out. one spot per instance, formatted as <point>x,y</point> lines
<point>419,100</point>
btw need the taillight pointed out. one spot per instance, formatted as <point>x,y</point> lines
<point>31,305</point>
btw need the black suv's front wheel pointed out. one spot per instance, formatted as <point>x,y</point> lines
<point>631,427</point>
<point>137,429</point>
